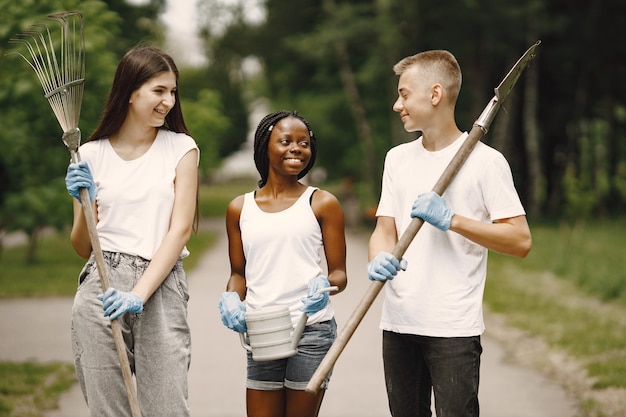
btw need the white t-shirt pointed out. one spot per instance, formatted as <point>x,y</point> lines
<point>440,294</point>
<point>283,253</point>
<point>135,198</point>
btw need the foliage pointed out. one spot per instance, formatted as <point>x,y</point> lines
<point>28,388</point>
<point>207,124</point>
<point>578,155</point>
<point>33,159</point>
<point>138,24</point>
<point>34,209</point>
<point>226,53</point>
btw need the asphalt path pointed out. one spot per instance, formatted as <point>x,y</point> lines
<point>39,330</point>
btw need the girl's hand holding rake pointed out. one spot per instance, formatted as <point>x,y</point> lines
<point>79,176</point>
<point>116,302</point>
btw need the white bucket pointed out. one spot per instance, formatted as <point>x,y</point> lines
<point>269,333</point>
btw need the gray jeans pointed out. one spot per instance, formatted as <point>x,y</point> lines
<point>158,342</point>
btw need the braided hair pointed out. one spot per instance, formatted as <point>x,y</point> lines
<point>261,139</point>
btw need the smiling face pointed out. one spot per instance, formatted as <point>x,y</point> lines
<point>414,101</point>
<point>151,102</point>
<point>289,147</point>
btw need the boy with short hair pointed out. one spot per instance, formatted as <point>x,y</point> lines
<point>432,314</point>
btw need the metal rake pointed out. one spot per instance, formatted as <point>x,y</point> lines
<point>60,69</point>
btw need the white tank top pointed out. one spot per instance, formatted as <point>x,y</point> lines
<point>135,198</point>
<point>283,253</point>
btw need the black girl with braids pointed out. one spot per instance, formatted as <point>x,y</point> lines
<point>262,136</point>
<point>275,237</point>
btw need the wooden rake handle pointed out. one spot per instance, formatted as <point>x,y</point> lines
<point>116,328</point>
<point>415,225</point>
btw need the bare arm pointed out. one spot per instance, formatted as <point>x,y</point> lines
<point>181,226</point>
<point>508,236</point>
<point>237,280</point>
<point>384,237</point>
<point>79,235</point>
<point>330,216</point>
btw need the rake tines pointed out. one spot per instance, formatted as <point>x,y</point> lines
<point>60,69</point>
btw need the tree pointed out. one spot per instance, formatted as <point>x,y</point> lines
<point>207,123</point>
<point>33,157</point>
<point>226,51</point>
<point>562,129</point>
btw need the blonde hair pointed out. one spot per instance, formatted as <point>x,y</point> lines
<point>437,66</point>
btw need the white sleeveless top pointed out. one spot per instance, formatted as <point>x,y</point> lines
<point>282,253</point>
<point>135,198</point>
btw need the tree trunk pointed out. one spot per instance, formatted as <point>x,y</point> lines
<point>31,252</point>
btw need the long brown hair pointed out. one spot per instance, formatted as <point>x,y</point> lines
<point>136,67</point>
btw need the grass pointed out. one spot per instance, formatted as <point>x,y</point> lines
<point>213,199</point>
<point>55,271</point>
<point>28,388</point>
<point>571,293</point>
<point>589,255</point>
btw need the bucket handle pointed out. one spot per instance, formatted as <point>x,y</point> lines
<point>242,339</point>
<point>297,331</point>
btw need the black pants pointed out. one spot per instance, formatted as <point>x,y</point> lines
<point>416,364</point>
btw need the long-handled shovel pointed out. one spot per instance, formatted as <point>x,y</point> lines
<point>62,77</point>
<point>480,128</point>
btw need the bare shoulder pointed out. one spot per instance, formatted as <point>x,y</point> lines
<point>325,202</point>
<point>324,197</point>
<point>235,206</point>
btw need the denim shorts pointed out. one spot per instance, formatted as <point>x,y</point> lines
<point>296,371</point>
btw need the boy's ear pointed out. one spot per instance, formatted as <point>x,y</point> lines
<point>436,94</point>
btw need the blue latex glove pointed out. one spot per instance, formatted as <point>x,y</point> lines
<point>315,302</point>
<point>79,176</point>
<point>115,303</point>
<point>384,267</point>
<point>432,208</point>
<point>232,312</point>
